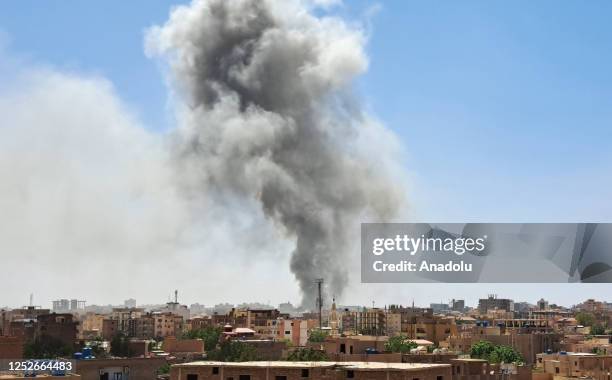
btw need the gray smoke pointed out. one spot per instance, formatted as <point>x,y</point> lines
<point>269,116</point>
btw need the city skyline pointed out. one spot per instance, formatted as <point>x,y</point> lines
<point>469,302</point>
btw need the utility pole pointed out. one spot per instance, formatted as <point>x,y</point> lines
<point>319,282</point>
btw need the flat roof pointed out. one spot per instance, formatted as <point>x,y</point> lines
<point>341,365</point>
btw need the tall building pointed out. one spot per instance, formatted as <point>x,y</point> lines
<point>368,321</point>
<point>126,319</point>
<point>458,305</point>
<point>494,303</point>
<point>438,307</point>
<point>175,308</point>
<point>131,303</point>
<point>64,304</point>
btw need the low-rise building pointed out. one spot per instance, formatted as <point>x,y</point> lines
<point>119,369</point>
<point>575,365</point>
<point>283,370</point>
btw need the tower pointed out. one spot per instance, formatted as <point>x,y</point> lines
<point>319,282</point>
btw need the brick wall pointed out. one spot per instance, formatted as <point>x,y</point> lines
<point>11,347</point>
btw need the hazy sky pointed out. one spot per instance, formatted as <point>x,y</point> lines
<point>504,111</point>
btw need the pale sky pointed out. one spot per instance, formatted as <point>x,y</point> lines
<point>503,111</point>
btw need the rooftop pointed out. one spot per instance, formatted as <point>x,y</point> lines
<point>341,365</point>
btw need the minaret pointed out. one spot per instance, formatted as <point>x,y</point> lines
<point>333,318</point>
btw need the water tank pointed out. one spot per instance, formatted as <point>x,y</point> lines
<point>87,352</point>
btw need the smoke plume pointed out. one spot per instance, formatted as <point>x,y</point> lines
<point>269,116</point>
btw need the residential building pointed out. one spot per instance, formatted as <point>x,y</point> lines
<point>494,303</point>
<point>283,370</point>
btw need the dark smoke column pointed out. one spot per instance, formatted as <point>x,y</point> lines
<point>270,116</point>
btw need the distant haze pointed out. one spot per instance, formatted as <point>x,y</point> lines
<point>257,190</point>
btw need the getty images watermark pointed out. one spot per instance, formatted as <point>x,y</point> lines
<point>486,252</point>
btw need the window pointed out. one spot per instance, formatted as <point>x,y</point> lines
<point>281,377</point>
<point>556,369</point>
<point>215,370</point>
<point>305,372</point>
<point>350,374</point>
<point>192,376</point>
<point>244,377</point>
<point>343,348</point>
<point>287,332</point>
<point>458,370</point>
<point>439,377</point>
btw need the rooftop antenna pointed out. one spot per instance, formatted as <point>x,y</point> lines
<point>175,296</point>
<point>31,299</point>
<point>319,282</point>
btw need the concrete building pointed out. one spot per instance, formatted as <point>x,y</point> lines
<point>110,328</point>
<point>458,305</point>
<point>173,345</point>
<point>420,323</point>
<point>309,370</point>
<point>145,327</point>
<point>174,307</point>
<point>64,305</point>
<point>119,369</point>
<point>91,325</point>
<point>58,326</point>
<point>478,369</point>
<point>529,345</point>
<point>494,303</point>
<point>264,321</point>
<point>126,319</point>
<point>294,330</point>
<point>167,324</point>
<point>355,344</point>
<point>575,365</point>
<point>367,321</point>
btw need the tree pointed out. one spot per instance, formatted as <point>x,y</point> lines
<point>481,349</point>
<point>210,336</point>
<point>495,354</point>
<point>120,346</point>
<point>307,355</point>
<point>164,369</point>
<point>46,347</point>
<point>505,354</point>
<point>598,329</point>
<point>400,343</point>
<point>233,351</point>
<point>317,336</point>
<point>585,319</point>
